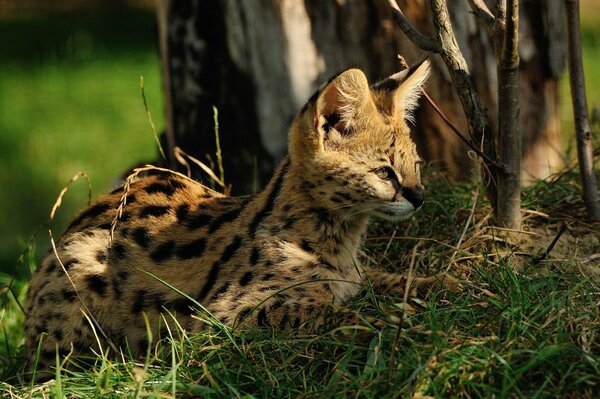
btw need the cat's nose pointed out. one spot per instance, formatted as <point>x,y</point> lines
<point>414,196</point>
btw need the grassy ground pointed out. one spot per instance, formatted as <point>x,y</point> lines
<point>534,333</point>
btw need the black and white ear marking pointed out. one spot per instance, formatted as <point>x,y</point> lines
<point>401,92</point>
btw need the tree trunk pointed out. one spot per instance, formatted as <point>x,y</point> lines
<point>582,125</point>
<point>508,212</point>
<point>258,61</point>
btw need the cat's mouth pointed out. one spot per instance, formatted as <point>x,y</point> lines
<point>394,211</point>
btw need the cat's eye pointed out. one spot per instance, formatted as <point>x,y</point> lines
<point>384,173</point>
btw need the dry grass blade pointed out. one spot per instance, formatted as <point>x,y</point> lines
<point>180,154</point>
<point>150,121</point>
<point>62,193</point>
<point>218,144</point>
<point>464,232</point>
<point>404,305</point>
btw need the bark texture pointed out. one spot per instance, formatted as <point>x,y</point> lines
<point>582,125</point>
<point>508,213</point>
<point>258,61</point>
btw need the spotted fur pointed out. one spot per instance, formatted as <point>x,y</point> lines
<point>278,258</point>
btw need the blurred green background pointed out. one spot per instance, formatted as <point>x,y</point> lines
<point>70,101</point>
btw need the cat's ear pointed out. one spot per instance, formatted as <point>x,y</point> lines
<point>341,101</point>
<point>399,94</point>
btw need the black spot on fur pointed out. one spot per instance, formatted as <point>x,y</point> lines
<point>198,221</point>
<point>254,256</point>
<point>307,246</point>
<point>193,249</point>
<point>307,186</point>
<point>231,249</point>
<point>68,295</point>
<point>177,184</point>
<point>91,212</point>
<point>101,256</point>
<point>210,281</point>
<point>285,320</point>
<point>159,174</point>
<point>344,195</point>
<point>336,200</point>
<point>70,263</point>
<point>52,265</point>
<point>98,284</point>
<point>117,250</point>
<point>327,264</point>
<point>117,282</point>
<point>163,251</point>
<point>272,196</point>
<point>246,278</point>
<point>261,318</point>
<point>223,289</point>
<point>323,216</point>
<point>182,212</point>
<point>141,236</point>
<point>224,218</point>
<point>182,306</point>
<point>162,188</point>
<point>227,254</point>
<point>125,216</point>
<point>268,276</point>
<point>57,334</point>
<point>154,210</point>
<point>244,313</point>
<point>139,303</point>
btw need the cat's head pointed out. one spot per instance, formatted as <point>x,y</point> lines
<point>352,142</point>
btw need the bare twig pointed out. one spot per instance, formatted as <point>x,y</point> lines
<point>426,43</point>
<point>459,133</point>
<point>582,126</point>
<point>543,256</point>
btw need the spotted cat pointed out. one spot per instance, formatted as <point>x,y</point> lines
<point>279,258</point>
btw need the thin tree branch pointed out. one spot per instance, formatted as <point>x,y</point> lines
<point>459,133</point>
<point>479,128</point>
<point>424,42</point>
<point>582,125</point>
